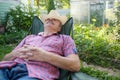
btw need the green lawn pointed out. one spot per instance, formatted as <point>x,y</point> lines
<point>4,49</point>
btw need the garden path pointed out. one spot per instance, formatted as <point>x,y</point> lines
<point>112,72</point>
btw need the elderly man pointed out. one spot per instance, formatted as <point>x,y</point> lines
<point>39,57</point>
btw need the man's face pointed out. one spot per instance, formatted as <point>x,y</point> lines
<point>53,24</point>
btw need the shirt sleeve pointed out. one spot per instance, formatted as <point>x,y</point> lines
<point>69,46</point>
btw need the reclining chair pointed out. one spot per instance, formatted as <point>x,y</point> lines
<point>37,26</point>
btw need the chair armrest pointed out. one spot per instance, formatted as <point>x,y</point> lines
<point>81,76</point>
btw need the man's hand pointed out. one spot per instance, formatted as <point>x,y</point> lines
<point>33,53</point>
<point>21,53</point>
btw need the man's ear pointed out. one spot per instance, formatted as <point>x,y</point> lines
<point>60,26</point>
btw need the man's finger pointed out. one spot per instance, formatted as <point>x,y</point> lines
<point>29,54</point>
<point>23,56</point>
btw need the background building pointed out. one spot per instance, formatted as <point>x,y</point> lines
<point>83,11</point>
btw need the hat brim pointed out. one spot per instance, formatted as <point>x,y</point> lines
<point>62,19</point>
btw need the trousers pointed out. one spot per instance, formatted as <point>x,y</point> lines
<point>17,72</point>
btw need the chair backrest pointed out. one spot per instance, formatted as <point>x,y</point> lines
<point>67,28</point>
<point>37,26</point>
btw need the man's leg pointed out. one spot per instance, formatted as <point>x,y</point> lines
<point>19,72</point>
<point>27,78</point>
<point>4,74</point>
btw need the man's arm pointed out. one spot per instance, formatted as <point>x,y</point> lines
<point>70,62</point>
<point>8,57</point>
<point>16,53</point>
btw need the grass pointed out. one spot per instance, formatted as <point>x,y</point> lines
<point>4,49</point>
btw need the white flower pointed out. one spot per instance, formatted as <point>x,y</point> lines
<point>12,7</point>
<point>35,14</point>
<point>9,23</point>
<point>17,16</point>
<point>29,15</point>
<point>91,30</point>
<point>22,9</point>
<point>25,14</point>
<point>83,27</point>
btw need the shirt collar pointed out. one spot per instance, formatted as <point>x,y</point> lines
<point>42,33</point>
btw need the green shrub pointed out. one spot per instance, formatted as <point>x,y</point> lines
<point>116,22</point>
<point>4,49</point>
<point>10,38</point>
<point>20,17</point>
<point>98,45</point>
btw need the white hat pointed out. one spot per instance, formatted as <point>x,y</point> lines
<point>54,14</point>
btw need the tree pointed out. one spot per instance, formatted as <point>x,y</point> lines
<point>51,5</point>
